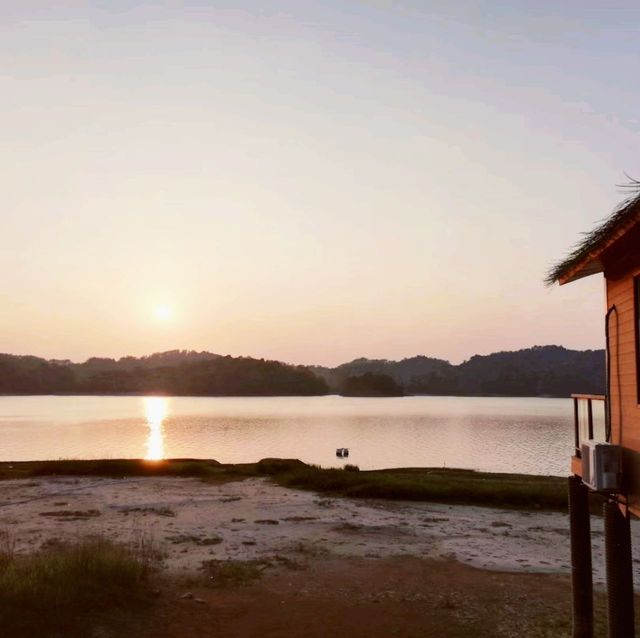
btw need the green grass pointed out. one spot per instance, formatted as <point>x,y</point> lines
<point>206,469</point>
<point>65,588</point>
<point>413,484</point>
<point>114,468</point>
<point>437,485</point>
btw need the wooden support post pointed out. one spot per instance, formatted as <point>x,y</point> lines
<point>581,572</point>
<point>576,427</point>
<point>617,530</point>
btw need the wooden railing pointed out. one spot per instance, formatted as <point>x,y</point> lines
<point>588,399</point>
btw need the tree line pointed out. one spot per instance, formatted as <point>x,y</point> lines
<point>183,376</point>
<point>537,371</point>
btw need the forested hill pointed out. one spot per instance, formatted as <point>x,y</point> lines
<point>537,371</point>
<point>402,372</point>
<point>176,372</point>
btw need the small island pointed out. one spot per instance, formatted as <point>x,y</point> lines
<point>371,384</point>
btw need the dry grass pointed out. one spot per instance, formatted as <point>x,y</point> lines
<point>64,589</point>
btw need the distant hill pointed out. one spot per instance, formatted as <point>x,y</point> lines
<point>403,372</point>
<point>538,371</point>
<point>176,372</point>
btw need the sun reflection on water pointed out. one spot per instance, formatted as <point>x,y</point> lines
<point>156,409</point>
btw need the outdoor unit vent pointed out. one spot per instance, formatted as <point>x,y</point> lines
<point>601,466</point>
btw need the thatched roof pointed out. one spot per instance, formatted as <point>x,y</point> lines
<point>585,258</point>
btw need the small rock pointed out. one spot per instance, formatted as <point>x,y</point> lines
<point>200,601</point>
<point>186,596</point>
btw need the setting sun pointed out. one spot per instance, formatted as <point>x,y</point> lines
<point>163,313</point>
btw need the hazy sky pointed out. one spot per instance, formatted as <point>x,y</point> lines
<point>308,181</point>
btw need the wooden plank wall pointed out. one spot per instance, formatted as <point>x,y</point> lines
<point>625,411</point>
<point>623,366</point>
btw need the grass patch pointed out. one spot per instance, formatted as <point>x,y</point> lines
<point>444,486</point>
<point>64,588</point>
<point>117,468</point>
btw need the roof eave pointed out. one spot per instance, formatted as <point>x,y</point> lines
<point>586,268</point>
<point>591,263</point>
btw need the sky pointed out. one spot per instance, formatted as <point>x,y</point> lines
<point>308,181</point>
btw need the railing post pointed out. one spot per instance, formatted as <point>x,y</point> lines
<point>590,419</point>
<point>576,426</point>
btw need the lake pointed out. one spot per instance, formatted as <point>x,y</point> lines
<point>526,435</point>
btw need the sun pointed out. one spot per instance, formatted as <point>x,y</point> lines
<point>162,313</point>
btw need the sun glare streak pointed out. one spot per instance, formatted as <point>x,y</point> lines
<point>156,409</point>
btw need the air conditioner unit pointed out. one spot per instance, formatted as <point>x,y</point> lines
<point>601,466</point>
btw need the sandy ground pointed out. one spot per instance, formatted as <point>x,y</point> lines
<point>191,522</point>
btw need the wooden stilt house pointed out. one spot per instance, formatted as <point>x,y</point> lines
<point>614,249</point>
<point>607,461</point>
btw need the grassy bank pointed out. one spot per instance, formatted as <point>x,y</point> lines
<point>436,485</point>
<point>415,484</point>
<point>63,590</point>
<point>113,468</point>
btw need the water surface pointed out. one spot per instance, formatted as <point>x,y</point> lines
<point>528,435</point>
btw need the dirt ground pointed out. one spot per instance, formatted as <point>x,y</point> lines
<point>371,598</point>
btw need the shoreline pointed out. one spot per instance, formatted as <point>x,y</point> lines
<point>284,396</point>
<point>444,485</point>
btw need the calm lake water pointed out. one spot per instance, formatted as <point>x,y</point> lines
<point>527,435</point>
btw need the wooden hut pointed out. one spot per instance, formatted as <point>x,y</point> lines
<point>613,249</point>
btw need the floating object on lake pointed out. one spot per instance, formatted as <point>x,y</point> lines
<point>342,452</point>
